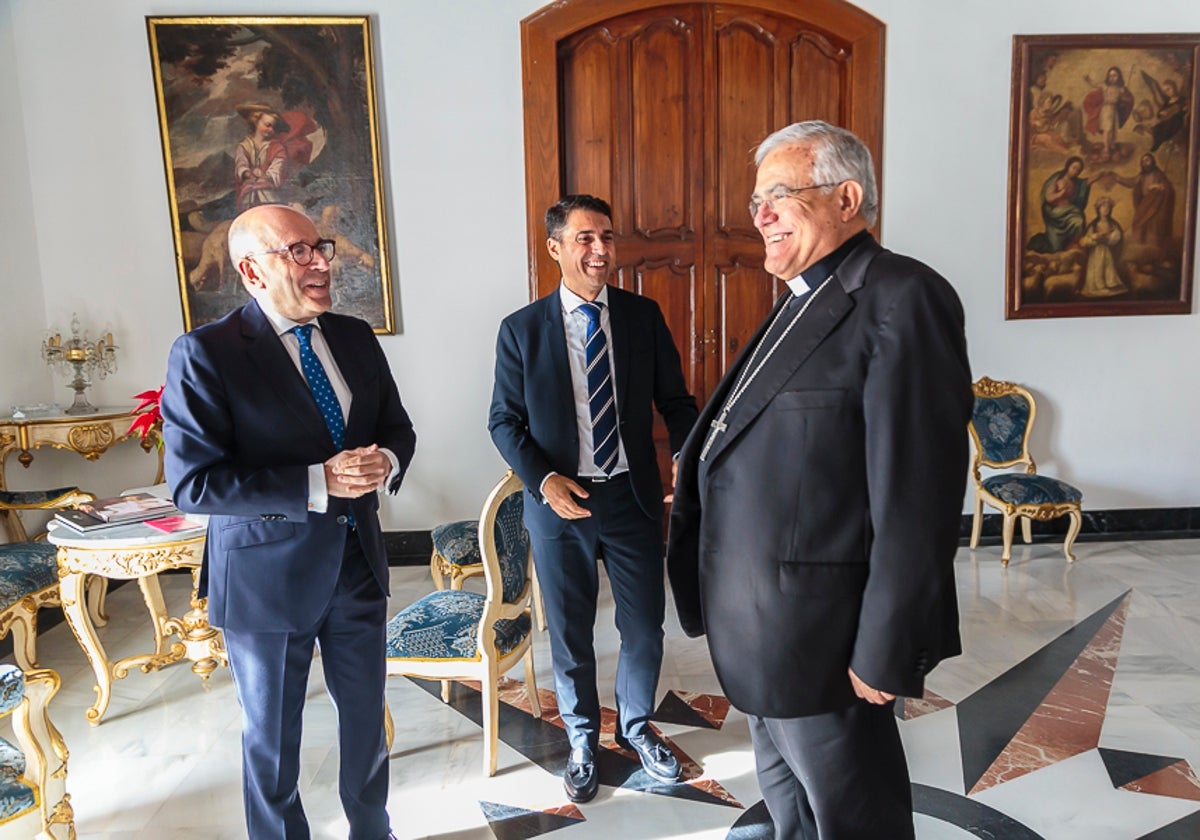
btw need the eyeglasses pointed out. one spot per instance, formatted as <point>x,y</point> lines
<point>779,193</point>
<point>301,252</point>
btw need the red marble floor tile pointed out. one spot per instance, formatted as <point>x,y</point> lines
<point>1178,780</point>
<point>915,707</point>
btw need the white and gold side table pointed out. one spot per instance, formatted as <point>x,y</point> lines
<point>135,552</point>
<point>89,435</point>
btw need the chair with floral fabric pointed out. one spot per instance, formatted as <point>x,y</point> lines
<point>29,568</point>
<point>451,634</point>
<point>1000,426</point>
<point>33,771</point>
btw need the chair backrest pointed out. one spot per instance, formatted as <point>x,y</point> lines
<point>504,542</point>
<point>1000,424</point>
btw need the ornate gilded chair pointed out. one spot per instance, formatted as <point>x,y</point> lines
<point>33,772</point>
<point>29,568</point>
<point>451,634</point>
<point>1000,426</point>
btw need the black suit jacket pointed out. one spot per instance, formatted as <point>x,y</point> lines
<point>820,531</point>
<point>532,418</point>
<point>241,428</point>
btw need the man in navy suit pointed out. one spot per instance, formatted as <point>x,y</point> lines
<point>577,376</point>
<point>281,421</point>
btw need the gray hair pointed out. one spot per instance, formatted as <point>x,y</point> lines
<point>840,156</point>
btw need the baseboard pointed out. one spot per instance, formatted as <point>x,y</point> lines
<point>1100,526</point>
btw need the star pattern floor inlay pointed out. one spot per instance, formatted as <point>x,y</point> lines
<point>1073,714</point>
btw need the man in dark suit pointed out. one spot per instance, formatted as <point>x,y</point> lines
<point>817,510</point>
<point>281,421</point>
<point>577,375</point>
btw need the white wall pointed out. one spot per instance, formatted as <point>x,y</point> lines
<point>86,228</point>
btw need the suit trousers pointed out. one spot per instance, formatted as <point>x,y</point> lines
<point>270,672</point>
<point>631,547</point>
<point>835,776</point>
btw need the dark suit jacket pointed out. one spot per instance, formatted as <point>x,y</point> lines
<point>532,418</point>
<point>820,531</point>
<point>241,428</point>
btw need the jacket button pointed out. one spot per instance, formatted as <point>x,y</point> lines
<point>343,520</point>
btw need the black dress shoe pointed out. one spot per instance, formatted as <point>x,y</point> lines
<point>657,760</point>
<point>580,779</point>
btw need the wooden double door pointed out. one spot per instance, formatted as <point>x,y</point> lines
<point>658,109</point>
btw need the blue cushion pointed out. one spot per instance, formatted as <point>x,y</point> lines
<point>12,687</point>
<point>1000,423</point>
<point>25,568</point>
<point>1025,489</point>
<point>34,497</point>
<point>16,798</point>
<point>12,762</point>
<point>458,542</point>
<point>443,626</point>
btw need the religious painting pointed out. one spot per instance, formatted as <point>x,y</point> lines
<point>271,110</point>
<point>1103,173</point>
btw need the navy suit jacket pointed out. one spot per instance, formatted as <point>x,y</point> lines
<point>241,428</point>
<point>533,420</point>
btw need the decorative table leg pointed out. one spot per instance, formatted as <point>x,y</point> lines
<point>71,588</point>
<point>202,642</point>
<point>152,595</point>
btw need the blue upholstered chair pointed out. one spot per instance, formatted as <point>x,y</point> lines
<point>456,557</point>
<point>1000,426</point>
<point>451,634</point>
<point>33,771</point>
<point>29,568</point>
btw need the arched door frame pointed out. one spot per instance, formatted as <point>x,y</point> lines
<point>545,28</point>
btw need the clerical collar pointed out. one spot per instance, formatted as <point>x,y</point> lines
<point>816,273</point>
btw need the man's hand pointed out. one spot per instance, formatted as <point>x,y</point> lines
<point>871,695</point>
<point>670,497</point>
<point>355,472</point>
<point>560,493</point>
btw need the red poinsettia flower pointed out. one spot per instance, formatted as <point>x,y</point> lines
<point>148,414</point>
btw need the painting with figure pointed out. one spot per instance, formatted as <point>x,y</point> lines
<point>1102,189</point>
<point>271,110</point>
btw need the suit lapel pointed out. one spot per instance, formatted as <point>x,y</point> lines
<point>348,360</point>
<point>825,311</point>
<point>266,352</point>
<point>618,326</point>
<point>554,345</point>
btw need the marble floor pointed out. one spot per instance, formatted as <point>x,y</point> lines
<point>1074,713</point>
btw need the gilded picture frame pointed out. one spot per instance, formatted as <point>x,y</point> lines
<point>257,110</point>
<point>1103,174</point>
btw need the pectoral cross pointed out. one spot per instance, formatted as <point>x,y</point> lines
<point>719,425</point>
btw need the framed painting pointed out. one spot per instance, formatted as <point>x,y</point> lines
<point>271,110</point>
<point>1102,181</point>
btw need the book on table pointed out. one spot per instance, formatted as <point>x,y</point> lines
<point>134,507</point>
<point>174,524</point>
<point>83,522</point>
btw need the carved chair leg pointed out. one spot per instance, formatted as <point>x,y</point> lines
<point>531,690</point>
<point>1072,532</point>
<point>1010,519</point>
<point>435,570</point>
<point>491,720</point>
<point>24,639</point>
<point>1027,529</point>
<point>389,728</point>
<point>976,522</point>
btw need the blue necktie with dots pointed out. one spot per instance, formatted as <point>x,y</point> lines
<point>601,399</point>
<point>318,383</point>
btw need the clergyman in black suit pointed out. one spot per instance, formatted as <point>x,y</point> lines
<point>818,501</point>
<point>282,420</point>
<point>578,373</point>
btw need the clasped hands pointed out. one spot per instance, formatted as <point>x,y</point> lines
<point>356,472</point>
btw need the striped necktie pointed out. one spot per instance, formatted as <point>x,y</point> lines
<point>318,383</point>
<point>601,399</point>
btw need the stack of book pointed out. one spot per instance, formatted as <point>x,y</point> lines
<point>155,511</point>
